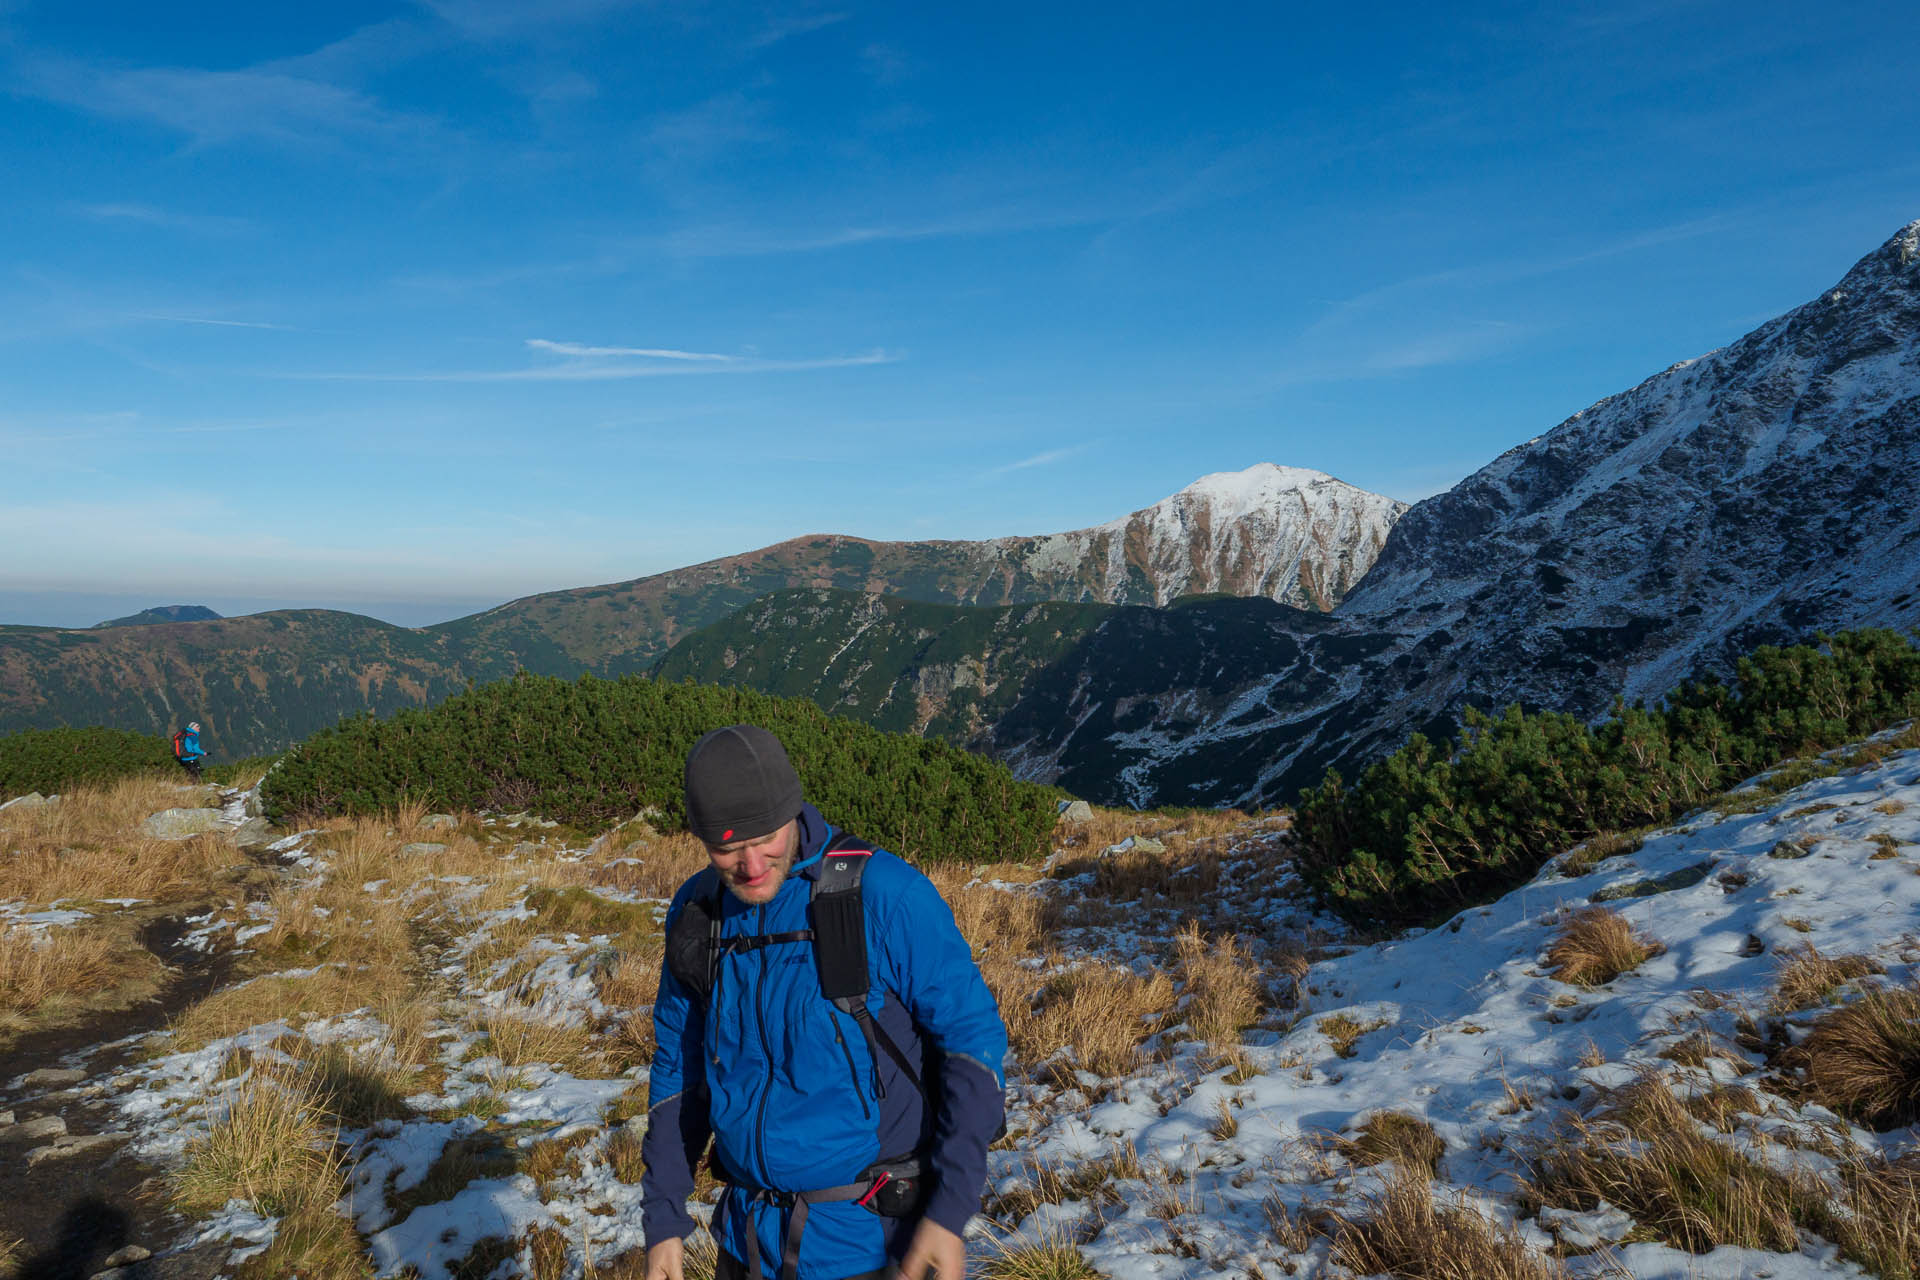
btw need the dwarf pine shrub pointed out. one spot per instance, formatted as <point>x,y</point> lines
<point>595,752</point>
<point>55,760</point>
<point>1434,828</point>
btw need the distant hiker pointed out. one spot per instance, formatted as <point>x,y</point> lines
<point>187,750</point>
<point>821,1018</point>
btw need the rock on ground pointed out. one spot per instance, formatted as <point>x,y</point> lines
<point>181,824</point>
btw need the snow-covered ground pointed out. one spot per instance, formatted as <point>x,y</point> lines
<point>1461,1026</point>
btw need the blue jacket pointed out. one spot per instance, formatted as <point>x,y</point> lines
<point>783,1080</point>
<point>190,745</point>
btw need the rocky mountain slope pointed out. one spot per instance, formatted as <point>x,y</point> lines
<point>261,682</point>
<point>1289,534</point>
<point>1761,493</point>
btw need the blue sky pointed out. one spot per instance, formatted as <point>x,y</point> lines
<point>413,308</point>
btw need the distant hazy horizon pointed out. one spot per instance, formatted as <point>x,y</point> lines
<point>87,608</point>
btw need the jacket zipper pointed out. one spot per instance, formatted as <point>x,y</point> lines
<point>766,1048</point>
<point>852,1070</point>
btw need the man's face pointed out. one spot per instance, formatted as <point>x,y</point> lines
<point>753,870</point>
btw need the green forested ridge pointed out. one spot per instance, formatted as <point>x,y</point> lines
<point>256,683</point>
<point>1434,828</point>
<point>54,760</point>
<point>947,671</point>
<point>594,752</point>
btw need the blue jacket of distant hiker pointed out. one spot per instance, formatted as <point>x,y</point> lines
<point>190,745</point>
<point>783,1080</point>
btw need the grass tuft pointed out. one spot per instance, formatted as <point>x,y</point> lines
<point>1597,945</point>
<point>270,1145</point>
<point>1807,978</point>
<point>1863,1060</point>
<point>1406,1233</point>
<point>1399,1138</point>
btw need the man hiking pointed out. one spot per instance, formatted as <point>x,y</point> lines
<point>186,749</point>
<point>822,1020</point>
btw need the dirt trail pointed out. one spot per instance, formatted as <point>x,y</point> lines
<point>68,1188</point>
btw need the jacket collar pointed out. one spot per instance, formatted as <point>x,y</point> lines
<point>815,833</point>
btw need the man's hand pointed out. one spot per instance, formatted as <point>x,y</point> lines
<point>665,1259</point>
<point>934,1251</point>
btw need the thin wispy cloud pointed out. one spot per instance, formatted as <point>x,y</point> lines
<point>265,103</point>
<point>1037,460</point>
<point>607,370</point>
<point>149,215</point>
<point>497,19</point>
<point>210,320</point>
<point>650,353</point>
<point>786,28</point>
<point>750,242</point>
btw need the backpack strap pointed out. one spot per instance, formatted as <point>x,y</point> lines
<point>692,942</point>
<point>840,949</point>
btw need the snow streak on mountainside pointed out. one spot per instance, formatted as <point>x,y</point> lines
<point>1761,493</point>
<point>1292,535</point>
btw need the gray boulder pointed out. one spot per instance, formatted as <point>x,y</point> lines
<point>439,822</point>
<point>181,824</point>
<point>422,847</point>
<point>252,834</point>
<point>31,800</point>
<point>1077,811</point>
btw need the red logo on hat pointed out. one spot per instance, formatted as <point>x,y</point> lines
<point>726,835</point>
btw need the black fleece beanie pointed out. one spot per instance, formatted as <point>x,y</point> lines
<point>740,785</point>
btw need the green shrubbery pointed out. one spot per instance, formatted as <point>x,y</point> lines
<point>594,752</point>
<point>1431,829</point>
<point>54,760</point>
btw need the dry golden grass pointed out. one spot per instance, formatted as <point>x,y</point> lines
<point>59,967</point>
<point>1723,1105</point>
<point>1222,986</point>
<point>1102,1014</point>
<point>631,1042</point>
<point>91,843</point>
<point>1807,978</point>
<point>1051,1258</point>
<point>357,1089</point>
<point>1596,849</point>
<point>1878,1218</point>
<point>1405,1232</point>
<point>1343,1031</point>
<point>526,1039</point>
<point>652,868</point>
<point>548,1161</point>
<point>1395,1136</point>
<point>270,1145</point>
<point>1110,826</point>
<point>312,1243</point>
<point>702,1256</point>
<point>1644,1154</point>
<point>130,866</point>
<point>1006,921</point>
<point>1045,1183</point>
<point>462,1160</point>
<point>623,1156</point>
<point>580,911</point>
<point>546,1254</point>
<point>327,992</point>
<point>632,981</point>
<point>1597,945</point>
<point>1863,1060</point>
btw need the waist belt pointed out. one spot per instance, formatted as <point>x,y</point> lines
<point>877,1179</point>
